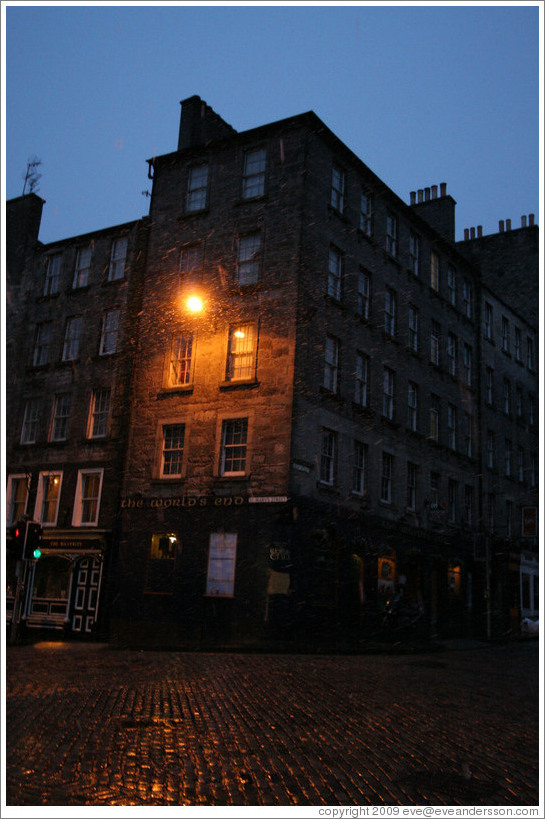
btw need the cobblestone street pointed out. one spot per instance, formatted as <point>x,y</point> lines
<point>93,725</point>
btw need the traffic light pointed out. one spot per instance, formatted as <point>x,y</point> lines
<point>33,540</point>
<point>16,541</point>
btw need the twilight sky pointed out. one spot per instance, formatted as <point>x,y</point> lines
<point>422,94</point>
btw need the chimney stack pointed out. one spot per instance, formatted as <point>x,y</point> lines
<point>420,195</point>
<point>479,231</point>
<point>413,197</point>
<point>531,219</point>
<point>443,188</point>
<point>434,191</point>
<point>523,221</point>
<point>472,232</point>
<point>508,224</point>
<point>501,226</point>
<point>466,234</point>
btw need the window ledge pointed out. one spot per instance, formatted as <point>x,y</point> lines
<point>173,391</point>
<point>250,384</point>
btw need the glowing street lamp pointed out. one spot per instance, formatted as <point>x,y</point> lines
<point>194,303</point>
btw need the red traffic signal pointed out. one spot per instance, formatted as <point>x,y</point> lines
<point>16,540</point>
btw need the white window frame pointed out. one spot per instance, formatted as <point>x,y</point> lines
<point>197,188</point>
<point>241,352</point>
<point>434,417</point>
<point>488,319</point>
<point>222,562</point>
<point>61,413</point>
<point>31,419</point>
<point>328,456</point>
<point>12,502</point>
<point>41,498</point>
<point>99,417</point>
<point>79,499</point>
<point>435,343</point>
<point>180,450</point>
<point>467,297</point>
<point>451,426</point>
<point>82,267</point>
<point>181,361</point>
<point>243,444</point>
<point>468,364</point>
<point>253,175</point>
<point>452,353</point>
<point>391,234</point>
<point>451,284</point>
<point>72,338</point>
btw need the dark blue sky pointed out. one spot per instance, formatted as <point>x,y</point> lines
<point>422,94</point>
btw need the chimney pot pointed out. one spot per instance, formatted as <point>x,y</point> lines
<point>501,226</point>
<point>479,231</point>
<point>531,219</point>
<point>508,224</point>
<point>413,197</point>
<point>466,234</point>
<point>427,194</point>
<point>443,188</point>
<point>523,221</point>
<point>420,195</point>
<point>472,232</point>
<point>434,191</point>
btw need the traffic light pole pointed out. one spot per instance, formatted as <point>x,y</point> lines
<point>21,571</point>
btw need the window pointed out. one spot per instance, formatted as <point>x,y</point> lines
<point>413,329</point>
<point>533,470</point>
<point>386,478</point>
<point>359,471</point>
<point>180,371</point>
<point>328,457</point>
<point>364,294</point>
<point>518,344</point>
<point>366,214</point>
<point>435,482</point>
<point>72,338</point>
<point>435,343</point>
<point>434,417</point>
<point>469,502</point>
<point>490,449</point>
<point>467,298</point>
<point>337,189</point>
<point>489,385</point>
<point>388,393</point>
<point>42,344</point>
<point>253,179</point>
<point>505,334</point>
<point>331,369</point>
<point>16,497</point>
<point>99,413</point>
<point>52,274</point>
<point>451,284</point>
<point>234,442</point>
<point>391,234</point>
<point>468,365</point>
<point>172,450</point>
<point>518,400</point>
<point>334,275</point>
<point>506,396</point>
<point>469,434</point>
<point>31,417</point>
<point>491,508</point>
<point>412,472</point>
<point>117,259</point>
<point>83,265</point>
<point>452,500</point>
<point>520,464</point>
<point>507,454</point>
<point>390,312</point>
<point>361,394</point>
<point>87,499</point>
<point>531,409</point>
<point>108,336</point>
<point>47,498</point>
<point>488,321</point>
<point>509,509</point>
<point>412,407</point>
<point>197,188</point>
<point>451,426</point>
<point>61,412</point>
<point>241,365</point>
<point>248,259</point>
<point>434,271</point>
<point>222,558</point>
<point>414,253</point>
<point>191,262</point>
<point>530,353</point>
<point>452,353</point>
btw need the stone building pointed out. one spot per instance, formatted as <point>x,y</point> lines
<point>69,353</point>
<point>300,425</point>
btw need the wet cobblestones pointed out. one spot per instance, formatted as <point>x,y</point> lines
<point>91,725</point>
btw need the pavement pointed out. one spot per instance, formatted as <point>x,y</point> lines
<point>97,725</point>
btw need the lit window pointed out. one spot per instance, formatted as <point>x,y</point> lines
<point>197,188</point>
<point>47,498</point>
<point>99,413</point>
<point>234,442</point>
<point>52,274</point>
<point>117,259</point>
<point>241,365</point>
<point>61,413</point>
<point>83,265</point>
<point>110,327</point>
<point>42,344</point>
<point>72,338</point>
<point>337,189</point>
<point>87,498</point>
<point>30,421</point>
<point>253,181</point>
<point>248,259</point>
<point>181,357</point>
<point>172,450</point>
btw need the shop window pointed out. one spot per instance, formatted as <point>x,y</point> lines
<point>454,579</point>
<point>161,563</point>
<point>222,553</point>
